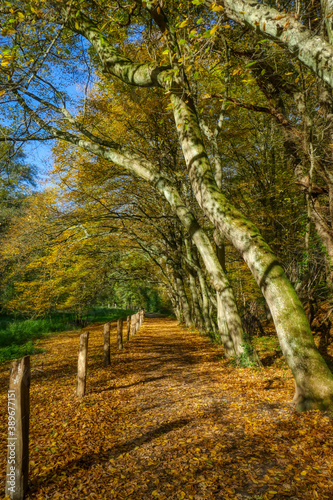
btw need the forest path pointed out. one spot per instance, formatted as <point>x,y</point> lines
<point>169,419</point>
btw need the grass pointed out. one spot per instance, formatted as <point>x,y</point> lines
<point>18,351</point>
<point>19,336</point>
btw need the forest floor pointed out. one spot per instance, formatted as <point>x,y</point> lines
<point>169,419</point>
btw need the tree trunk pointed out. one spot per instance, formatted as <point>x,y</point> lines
<point>18,429</point>
<point>137,321</point>
<point>205,303</point>
<point>183,299</point>
<point>128,327</point>
<point>133,324</point>
<point>194,293</point>
<point>107,328</point>
<point>312,50</point>
<point>120,333</point>
<point>223,309</point>
<point>82,365</point>
<point>313,379</point>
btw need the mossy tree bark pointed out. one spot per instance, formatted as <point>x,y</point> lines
<point>196,312</point>
<point>185,307</point>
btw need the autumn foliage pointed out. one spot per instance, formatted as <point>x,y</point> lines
<point>169,419</point>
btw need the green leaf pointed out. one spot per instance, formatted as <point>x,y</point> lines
<point>251,64</point>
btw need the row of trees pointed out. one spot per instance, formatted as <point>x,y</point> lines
<point>190,130</point>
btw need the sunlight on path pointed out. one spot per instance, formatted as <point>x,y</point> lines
<point>169,419</point>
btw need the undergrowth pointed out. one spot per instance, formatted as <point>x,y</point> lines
<point>18,335</point>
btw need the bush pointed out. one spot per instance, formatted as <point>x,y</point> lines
<point>19,331</point>
<point>18,351</point>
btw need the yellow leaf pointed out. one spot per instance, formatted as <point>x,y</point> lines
<point>217,8</point>
<point>2,92</point>
<point>5,63</point>
<point>303,473</point>
<point>212,31</point>
<point>183,24</point>
<point>272,492</point>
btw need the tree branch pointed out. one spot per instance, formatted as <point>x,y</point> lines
<point>311,49</point>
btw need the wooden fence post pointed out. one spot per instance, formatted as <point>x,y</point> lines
<point>137,321</point>
<point>18,429</point>
<point>120,333</point>
<point>128,327</point>
<point>82,365</point>
<point>107,328</point>
<point>133,324</point>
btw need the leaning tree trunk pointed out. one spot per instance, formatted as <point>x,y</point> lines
<point>313,379</point>
<point>232,330</point>
<point>193,287</point>
<point>205,302</point>
<point>185,307</point>
<point>195,301</point>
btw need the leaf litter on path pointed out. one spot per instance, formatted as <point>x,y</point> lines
<point>169,419</point>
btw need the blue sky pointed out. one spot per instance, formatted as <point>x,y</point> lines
<point>40,155</point>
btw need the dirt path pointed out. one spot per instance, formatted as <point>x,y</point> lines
<point>169,419</point>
